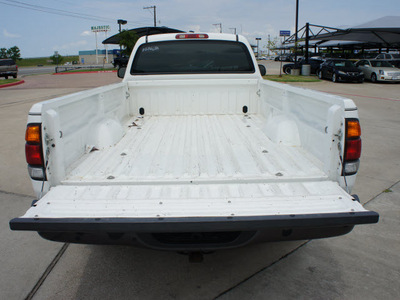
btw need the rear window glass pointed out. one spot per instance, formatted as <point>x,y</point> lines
<point>192,57</point>
<point>381,64</point>
<point>343,63</point>
<point>6,62</point>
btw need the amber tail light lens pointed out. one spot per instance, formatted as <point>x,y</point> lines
<point>34,151</point>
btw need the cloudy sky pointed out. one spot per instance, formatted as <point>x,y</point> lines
<point>40,27</point>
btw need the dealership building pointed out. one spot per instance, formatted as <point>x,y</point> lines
<point>88,57</point>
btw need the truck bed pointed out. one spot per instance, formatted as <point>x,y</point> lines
<point>218,157</point>
<point>196,148</point>
<point>178,175</point>
<point>194,166</point>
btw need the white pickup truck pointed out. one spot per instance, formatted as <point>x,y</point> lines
<point>193,151</point>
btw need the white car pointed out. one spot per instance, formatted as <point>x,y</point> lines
<point>379,70</point>
<point>388,56</point>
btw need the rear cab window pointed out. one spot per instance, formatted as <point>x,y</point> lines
<point>6,62</point>
<point>192,57</point>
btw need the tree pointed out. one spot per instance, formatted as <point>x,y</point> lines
<point>271,44</point>
<point>3,53</point>
<point>56,59</point>
<point>13,53</point>
<point>128,41</point>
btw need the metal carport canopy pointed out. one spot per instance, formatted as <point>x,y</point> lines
<point>385,37</point>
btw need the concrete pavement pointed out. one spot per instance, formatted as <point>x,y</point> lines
<point>24,256</point>
<point>25,71</point>
<point>364,263</point>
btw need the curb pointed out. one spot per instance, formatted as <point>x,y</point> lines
<point>86,72</point>
<point>11,84</point>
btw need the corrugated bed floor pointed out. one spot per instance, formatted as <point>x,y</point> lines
<point>223,148</point>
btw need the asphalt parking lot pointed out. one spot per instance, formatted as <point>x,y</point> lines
<point>364,264</point>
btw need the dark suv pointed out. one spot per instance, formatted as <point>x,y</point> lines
<point>8,68</point>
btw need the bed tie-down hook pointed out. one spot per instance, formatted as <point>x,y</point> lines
<point>48,140</point>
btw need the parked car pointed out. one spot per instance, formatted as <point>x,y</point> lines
<point>379,70</point>
<point>395,63</point>
<point>294,58</point>
<point>320,57</point>
<point>314,63</point>
<point>340,70</point>
<point>289,57</point>
<point>388,56</point>
<point>283,57</point>
<point>120,61</point>
<point>8,68</point>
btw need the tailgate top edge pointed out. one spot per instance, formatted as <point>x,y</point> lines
<point>193,223</point>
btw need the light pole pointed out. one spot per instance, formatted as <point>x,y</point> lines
<point>258,49</point>
<point>220,26</point>
<point>121,22</point>
<point>154,13</point>
<point>295,36</point>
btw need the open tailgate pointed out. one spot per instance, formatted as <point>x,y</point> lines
<point>193,207</point>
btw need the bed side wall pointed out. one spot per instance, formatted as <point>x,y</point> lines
<point>74,124</point>
<point>306,118</point>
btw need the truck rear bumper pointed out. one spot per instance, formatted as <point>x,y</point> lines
<point>208,233</point>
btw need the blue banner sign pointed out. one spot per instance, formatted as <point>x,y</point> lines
<point>284,33</point>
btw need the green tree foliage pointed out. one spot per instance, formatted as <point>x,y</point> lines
<point>271,44</point>
<point>3,53</point>
<point>128,41</point>
<point>57,59</point>
<point>13,53</point>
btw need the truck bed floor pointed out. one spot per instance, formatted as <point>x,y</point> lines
<point>200,148</point>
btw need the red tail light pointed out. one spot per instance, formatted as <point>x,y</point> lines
<point>352,149</point>
<point>33,146</point>
<point>34,155</point>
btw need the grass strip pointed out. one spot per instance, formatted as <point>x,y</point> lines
<point>7,81</point>
<point>291,78</point>
<point>43,61</point>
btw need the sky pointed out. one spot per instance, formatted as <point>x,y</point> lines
<point>41,27</point>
